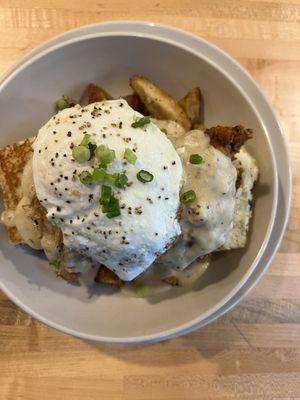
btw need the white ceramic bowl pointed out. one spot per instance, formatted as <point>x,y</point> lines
<point>108,54</point>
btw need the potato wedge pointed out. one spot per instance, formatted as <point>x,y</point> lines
<point>135,102</point>
<point>107,277</point>
<point>191,104</point>
<point>96,93</point>
<point>159,104</point>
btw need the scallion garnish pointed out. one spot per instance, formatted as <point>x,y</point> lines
<point>55,263</point>
<point>120,181</point>
<point>105,155</point>
<point>86,178</point>
<point>188,197</point>
<point>196,159</point>
<point>85,140</point>
<point>106,194</point>
<point>144,176</point>
<point>141,122</point>
<point>114,213</point>
<point>99,174</point>
<point>62,103</point>
<point>92,147</point>
<point>81,154</point>
<point>130,156</point>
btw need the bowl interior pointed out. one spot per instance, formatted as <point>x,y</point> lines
<point>26,102</point>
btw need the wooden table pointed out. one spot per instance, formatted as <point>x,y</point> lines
<point>254,351</point>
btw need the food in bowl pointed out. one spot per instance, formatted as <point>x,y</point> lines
<point>135,188</point>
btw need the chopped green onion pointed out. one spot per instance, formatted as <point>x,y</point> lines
<point>106,194</point>
<point>86,178</point>
<point>144,176</point>
<point>55,263</point>
<point>164,131</point>
<point>105,155</point>
<point>85,140</point>
<point>99,174</point>
<point>130,156</point>
<point>141,122</point>
<point>115,213</point>
<point>110,178</point>
<point>121,181</point>
<point>92,147</point>
<point>196,159</point>
<point>81,154</point>
<point>141,290</point>
<point>62,103</point>
<point>112,205</point>
<point>188,197</point>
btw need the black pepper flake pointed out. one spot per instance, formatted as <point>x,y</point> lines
<point>88,228</point>
<point>69,134</point>
<point>59,194</point>
<point>65,155</point>
<point>58,209</point>
<point>156,234</point>
<point>73,233</point>
<point>61,175</point>
<point>53,164</point>
<point>56,155</point>
<point>71,146</point>
<point>51,183</point>
<point>71,221</point>
<point>103,135</point>
<point>173,162</point>
<point>56,141</point>
<point>165,167</point>
<point>54,132</point>
<point>40,151</point>
<point>66,178</point>
<point>159,197</point>
<point>68,201</point>
<point>166,198</point>
<point>62,220</point>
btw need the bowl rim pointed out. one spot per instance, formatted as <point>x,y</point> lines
<point>193,323</point>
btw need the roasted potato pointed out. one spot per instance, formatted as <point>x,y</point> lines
<point>135,102</point>
<point>191,104</point>
<point>159,104</point>
<point>96,93</point>
<point>107,277</point>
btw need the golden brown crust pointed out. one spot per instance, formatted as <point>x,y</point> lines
<point>159,104</point>
<point>228,139</point>
<point>107,277</point>
<point>13,159</point>
<point>135,102</point>
<point>96,93</point>
<point>191,103</point>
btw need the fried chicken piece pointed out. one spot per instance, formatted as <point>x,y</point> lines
<point>228,139</point>
<point>106,276</point>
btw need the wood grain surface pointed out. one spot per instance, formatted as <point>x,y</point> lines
<point>253,352</point>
